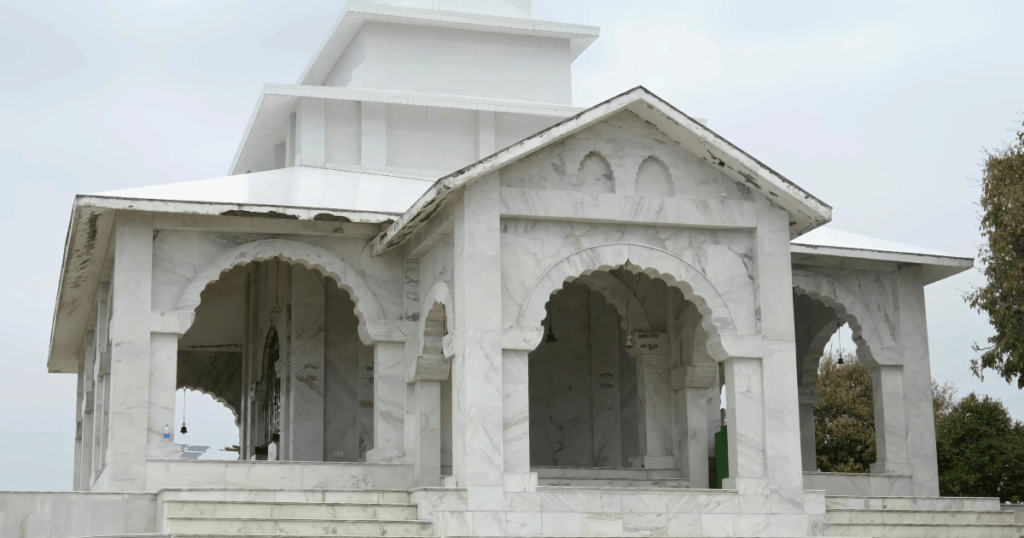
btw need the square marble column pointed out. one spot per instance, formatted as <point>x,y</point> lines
<point>76,484</point>
<point>655,401</point>
<point>516,410</point>
<point>130,352</point>
<point>604,379</point>
<point>477,370</point>
<point>745,415</point>
<point>84,469</point>
<point>912,329</point>
<point>427,433</point>
<point>306,383</point>
<point>774,295</point>
<point>809,398</point>
<point>693,447</point>
<point>167,328</point>
<point>890,420</point>
<point>389,390</point>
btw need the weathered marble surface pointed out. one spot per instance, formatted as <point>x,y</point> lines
<point>59,515</point>
<point>277,475</point>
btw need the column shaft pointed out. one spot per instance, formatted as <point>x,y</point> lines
<point>693,448</point>
<point>808,449</point>
<point>427,435</point>
<point>306,395</point>
<point>130,352</point>
<point>516,411</point>
<point>388,402</point>
<point>890,420</point>
<point>745,408</point>
<point>163,377</point>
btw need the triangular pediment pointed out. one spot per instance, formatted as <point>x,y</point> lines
<point>668,125</point>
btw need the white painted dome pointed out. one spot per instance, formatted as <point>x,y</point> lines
<point>503,8</point>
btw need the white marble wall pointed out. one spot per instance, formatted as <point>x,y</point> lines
<point>60,515</point>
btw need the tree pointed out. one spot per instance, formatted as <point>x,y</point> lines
<point>943,399</point>
<point>980,451</point>
<point>844,422</point>
<point>1002,296</point>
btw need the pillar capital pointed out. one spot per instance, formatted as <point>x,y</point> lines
<point>173,322</point>
<point>374,331</point>
<point>742,346</point>
<point>521,337</point>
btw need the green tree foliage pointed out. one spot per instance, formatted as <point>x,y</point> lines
<point>1002,296</point>
<point>943,399</point>
<point>980,451</point>
<point>844,422</point>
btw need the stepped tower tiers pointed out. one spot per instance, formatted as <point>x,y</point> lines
<point>417,88</point>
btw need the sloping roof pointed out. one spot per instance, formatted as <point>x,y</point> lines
<point>828,246</point>
<point>806,211</point>
<point>580,37</point>
<point>297,186</point>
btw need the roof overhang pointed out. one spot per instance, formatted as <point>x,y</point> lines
<point>87,247</point>
<point>580,37</point>
<point>806,211</point>
<point>934,268</point>
<point>266,127</point>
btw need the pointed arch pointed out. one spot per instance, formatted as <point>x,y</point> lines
<point>871,341</point>
<point>440,293</point>
<point>656,263</point>
<point>654,179</point>
<point>330,266</point>
<point>617,295</point>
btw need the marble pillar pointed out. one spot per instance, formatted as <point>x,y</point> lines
<point>604,379</point>
<point>341,386</point>
<point>516,410</point>
<point>84,469</point>
<point>912,328</point>
<point>427,432</point>
<point>163,376</point>
<point>774,295</point>
<point>890,420</point>
<point>655,401</point>
<point>693,446</point>
<point>745,414</point>
<point>810,397</point>
<point>76,484</point>
<point>130,352</point>
<point>306,377</point>
<point>388,402</point>
<point>477,386</point>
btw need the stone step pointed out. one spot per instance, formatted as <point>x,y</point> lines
<point>945,504</point>
<point>674,483</point>
<point>178,525</point>
<point>288,495</point>
<point>627,473</point>
<point>898,517</point>
<point>375,511</point>
<point>925,530</point>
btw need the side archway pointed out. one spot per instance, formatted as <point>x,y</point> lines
<point>676,272</point>
<point>439,293</point>
<point>366,305</point>
<point>867,333</point>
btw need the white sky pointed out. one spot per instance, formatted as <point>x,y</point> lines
<point>880,108</point>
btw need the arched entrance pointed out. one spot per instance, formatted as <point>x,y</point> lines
<point>278,337</point>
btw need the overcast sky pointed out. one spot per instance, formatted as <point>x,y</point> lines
<point>881,109</point>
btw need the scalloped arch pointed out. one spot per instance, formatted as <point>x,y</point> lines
<point>215,397</point>
<point>618,295</point>
<point>695,286</point>
<point>318,259</point>
<point>439,293</point>
<point>849,308</point>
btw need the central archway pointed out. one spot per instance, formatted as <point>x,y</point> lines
<point>317,259</point>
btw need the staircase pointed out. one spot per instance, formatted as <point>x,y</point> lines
<point>225,513</point>
<point>608,477</point>
<point>918,517</point>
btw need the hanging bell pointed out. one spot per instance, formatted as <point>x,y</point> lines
<point>840,360</point>
<point>550,339</point>
<point>184,430</point>
<point>629,342</point>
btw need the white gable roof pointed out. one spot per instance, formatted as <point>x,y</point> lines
<point>806,211</point>
<point>299,186</point>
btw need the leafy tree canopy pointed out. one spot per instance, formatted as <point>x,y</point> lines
<point>980,451</point>
<point>844,422</point>
<point>1002,296</point>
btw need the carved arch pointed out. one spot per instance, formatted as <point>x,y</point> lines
<point>867,333</point>
<point>648,182</point>
<point>216,397</point>
<point>676,272</point>
<point>366,305</point>
<point>439,293</point>
<point>618,296</point>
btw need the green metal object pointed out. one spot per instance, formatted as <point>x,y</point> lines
<point>721,457</point>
